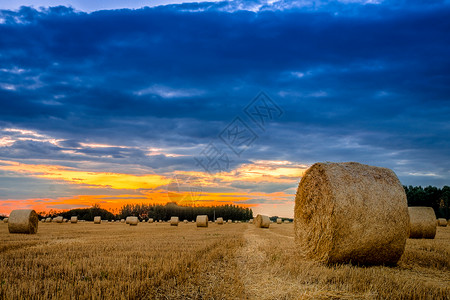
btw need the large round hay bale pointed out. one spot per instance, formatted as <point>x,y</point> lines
<point>150,220</point>
<point>48,220</point>
<point>279,221</point>
<point>442,222</point>
<point>262,221</point>
<point>219,221</point>
<point>350,212</point>
<point>58,219</point>
<point>422,222</point>
<point>23,221</point>
<point>97,220</point>
<point>174,221</point>
<point>73,219</point>
<point>202,221</point>
<point>133,221</point>
<point>5,220</point>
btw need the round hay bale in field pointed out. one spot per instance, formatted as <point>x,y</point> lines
<point>219,221</point>
<point>66,220</point>
<point>350,212</point>
<point>174,221</point>
<point>23,221</point>
<point>287,222</point>
<point>150,220</point>
<point>250,221</point>
<point>133,221</point>
<point>58,219</point>
<point>122,220</point>
<point>74,219</point>
<point>48,220</point>
<point>422,222</point>
<point>97,220</point>
<point>262,221</point>
<point>5,220</point>
<point>42,220</point>
<point>185,221</point>
<point>202,221</point>
<point>442,222</point>
<point>230,221</point>
<point>279,221</point>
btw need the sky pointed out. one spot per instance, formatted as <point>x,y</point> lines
<point>210,103</point>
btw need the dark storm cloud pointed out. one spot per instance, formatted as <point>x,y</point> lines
<point>356,82</point>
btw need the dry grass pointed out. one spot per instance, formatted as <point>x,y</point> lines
<point>238,261</point>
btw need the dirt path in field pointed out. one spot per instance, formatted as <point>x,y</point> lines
<point>259,280</point>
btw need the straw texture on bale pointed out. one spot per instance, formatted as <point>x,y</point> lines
<point>442,222</point>
<point>23,221</point>
<point>262,221</point>
<point>133,221</point>
<point>350,212</point>
<point>150,220</point>
<point>97,220</point>
<point>58,219</point>
<point>202,221</point>
<point>48,220</point>
<point>219,221</point>
<point>74,219</point>
<point>279,221</point>
<point>174,221</point>
<point>422,222</point>
<point>5,220</point>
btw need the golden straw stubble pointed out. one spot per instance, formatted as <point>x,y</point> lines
<point>350,212</point>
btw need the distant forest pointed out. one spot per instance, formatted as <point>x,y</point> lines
<point>438,199</point>
<point>157,212</point>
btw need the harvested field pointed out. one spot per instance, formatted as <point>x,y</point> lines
<point>238,261</point>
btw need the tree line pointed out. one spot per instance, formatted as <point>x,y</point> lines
<point>438,199</point>
<point>157,212</point>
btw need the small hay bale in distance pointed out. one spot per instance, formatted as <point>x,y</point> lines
<point>48,220</point>
<point>250,221</point>
<point>74,219</point>
<point>351,213</point>
<point>442,222</point>
<point>23,221</point>
<point>230,221</point>
<point>202,221</point>
<point>5,220</point>
<point>287,222</point>
<point>133,221</point>
<point>219,221</point>
<point>185,221</point>
<point>122,220</point>
<point>97,220</point>
<point>58,219</point>
<point>150,220</point>
<point>174,221</point>
<point>422,222</point>
<point>262,221</point>
<point>279,221</point>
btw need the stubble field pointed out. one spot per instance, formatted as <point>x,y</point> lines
<point>231,261</point>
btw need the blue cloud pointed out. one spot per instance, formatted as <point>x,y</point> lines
<point>356,82</point>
